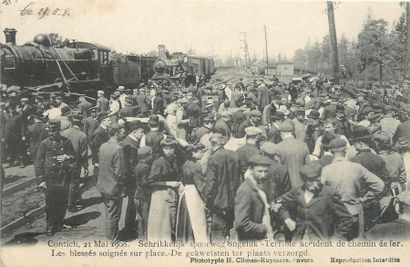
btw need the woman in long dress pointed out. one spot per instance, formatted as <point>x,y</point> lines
<point>191,218</point>
<point>164,180</point>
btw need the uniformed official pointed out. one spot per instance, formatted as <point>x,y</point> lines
<point>54,167</point>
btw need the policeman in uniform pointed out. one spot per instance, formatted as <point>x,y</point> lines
<point>54,166</point>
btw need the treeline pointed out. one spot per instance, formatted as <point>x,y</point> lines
<point>377,54</point>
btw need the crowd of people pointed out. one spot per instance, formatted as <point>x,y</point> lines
<point>249,160</point>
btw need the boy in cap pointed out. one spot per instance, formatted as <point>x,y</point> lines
<point>252,215</point>
<point>313,211</point>
<point>54,166</point>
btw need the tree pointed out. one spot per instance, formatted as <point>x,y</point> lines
<point>373,45</point>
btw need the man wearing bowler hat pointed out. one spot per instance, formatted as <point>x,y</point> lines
<point>313,211</point>
<point>54,165</point>
<point>252,213</point>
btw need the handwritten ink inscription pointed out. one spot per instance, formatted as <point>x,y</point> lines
<point>40,12</point>
<point>8,2</point>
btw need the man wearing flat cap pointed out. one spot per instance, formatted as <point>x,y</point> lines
<point>84,106</point>
<point>254,119</point>
<point>313,211</point>
<point>252,214</point>
<point>102,103</point>
<point>251,148</point>
<point>222,181</point>
<point>351,180</point>
<point>54,165</point>
<point>111,179</point>
<point>80,144</point>
<point>293,153</point>
<point>398,229</point>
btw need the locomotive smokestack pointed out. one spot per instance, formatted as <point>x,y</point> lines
<point>10,35</point>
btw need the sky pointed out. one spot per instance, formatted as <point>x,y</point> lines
<point>210,27</point>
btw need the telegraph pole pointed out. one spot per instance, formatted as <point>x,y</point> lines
<point>266,50</point>
<point>245,50</point>
<point>333,40</point>
<point>407,66</point>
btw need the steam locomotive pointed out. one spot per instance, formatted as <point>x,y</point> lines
<point>84,67</point>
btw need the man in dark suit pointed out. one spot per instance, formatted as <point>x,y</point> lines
<point>154,137</point>
<point>131,144</point>
<point>292,152</point>
<point>90,123</point>
<point>99,137</point>
<point>313,211</point>
<point>79,141</point>
<point>222,181</point>
<point>252,215</point>
<point>403,130</point>
<point>111,179</point>
<point>128,110</point>
<point>249,149</point>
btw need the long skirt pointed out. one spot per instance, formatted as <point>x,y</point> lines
<point>191,218</point>
<point>162,215</point>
